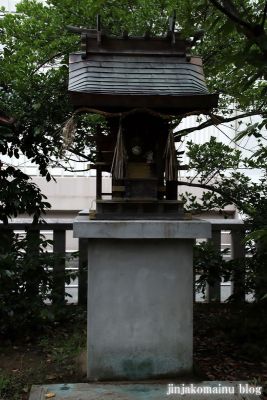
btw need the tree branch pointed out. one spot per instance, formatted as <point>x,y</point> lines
<point>253,31</point>
<point>216,120</point>
<point>230,11</point>
<point>77,153</point>
<point>51,59</point>
<point>200,185</point>
<point>46,62</point>
<point>73,170</point>
<point>210,188</point>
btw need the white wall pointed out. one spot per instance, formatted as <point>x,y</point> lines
<point>71,194</point>
<point>10,5</point>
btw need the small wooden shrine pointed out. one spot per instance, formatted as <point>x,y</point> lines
<point>139,83</point>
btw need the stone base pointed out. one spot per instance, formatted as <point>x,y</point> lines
<point>140,297</point>
<point>125,209</point>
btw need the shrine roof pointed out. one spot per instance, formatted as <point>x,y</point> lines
<point>128,73</point>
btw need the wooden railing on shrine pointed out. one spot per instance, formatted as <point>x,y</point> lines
<point>232,229</point>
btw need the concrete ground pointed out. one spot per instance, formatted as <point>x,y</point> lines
<point>144,391</point>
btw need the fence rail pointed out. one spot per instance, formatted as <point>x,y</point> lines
<point>235,229</point>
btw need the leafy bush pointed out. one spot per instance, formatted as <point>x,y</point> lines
<point>19,195</point>
<point>26,282</point>
<point>256,266</point>
<point>209,265</point>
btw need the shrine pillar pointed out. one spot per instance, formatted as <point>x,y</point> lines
<point>140,289</point>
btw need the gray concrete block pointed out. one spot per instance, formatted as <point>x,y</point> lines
<point>140,297</point>
<point>84,228</point>
<point>139,308</point>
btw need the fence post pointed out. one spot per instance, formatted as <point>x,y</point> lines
<point>214,291</point>
<point>32,237</point>
<point>83,261</point>
<point>98,182</point>
<point>58,292</point>
<point>194,276</point>
<point>238,253</point>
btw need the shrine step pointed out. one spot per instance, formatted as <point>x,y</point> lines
<point>142,391</point>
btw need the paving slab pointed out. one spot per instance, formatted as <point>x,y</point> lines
<point>143,391</point>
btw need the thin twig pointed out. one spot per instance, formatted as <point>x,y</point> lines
<point>238,145</point>
<point>210,188</point>
<point>220,120</point>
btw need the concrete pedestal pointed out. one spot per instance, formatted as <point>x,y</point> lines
<point>140,297</point>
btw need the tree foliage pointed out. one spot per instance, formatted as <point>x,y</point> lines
<point>233,48</point>
<point>25,282</point>
<point>34,69</point>
<point>216,168</point>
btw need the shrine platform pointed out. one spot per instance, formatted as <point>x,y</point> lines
<point>133,391</point>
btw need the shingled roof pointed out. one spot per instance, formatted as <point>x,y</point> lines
<point>118,73</point>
